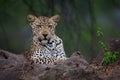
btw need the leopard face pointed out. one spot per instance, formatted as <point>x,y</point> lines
<point>43,28</point>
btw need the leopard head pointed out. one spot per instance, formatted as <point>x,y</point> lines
<point>43,28</point>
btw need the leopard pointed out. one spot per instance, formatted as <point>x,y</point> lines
<point>46,47</point>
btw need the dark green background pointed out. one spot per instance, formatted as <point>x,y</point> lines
<point>77,26</point>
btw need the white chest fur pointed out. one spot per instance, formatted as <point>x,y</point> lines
<point>52,50</point>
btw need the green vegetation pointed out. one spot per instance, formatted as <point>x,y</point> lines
<point>108,55</point>
<point>101,42</point>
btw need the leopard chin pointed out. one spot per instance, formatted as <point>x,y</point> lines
<point>44,41</point>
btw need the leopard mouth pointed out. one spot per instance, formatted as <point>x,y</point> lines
<point>44,41</point>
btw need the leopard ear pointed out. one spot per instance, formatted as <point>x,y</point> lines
<point>31,18</point>
<point>55,18</point>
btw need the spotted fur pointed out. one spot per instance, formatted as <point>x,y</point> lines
<point>46,47</point>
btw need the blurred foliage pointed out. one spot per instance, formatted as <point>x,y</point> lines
<point>77,26</point>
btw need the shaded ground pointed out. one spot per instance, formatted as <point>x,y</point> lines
<point>15,67</point>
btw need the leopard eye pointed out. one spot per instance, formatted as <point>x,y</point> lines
<point>50,26</point>
<point>38,25</point>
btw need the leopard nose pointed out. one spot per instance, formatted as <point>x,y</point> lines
<point>45,35</point>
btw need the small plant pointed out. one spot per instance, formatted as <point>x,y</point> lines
<point>99,32</point>
<point>101,43</point>
<point>108,56</point>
